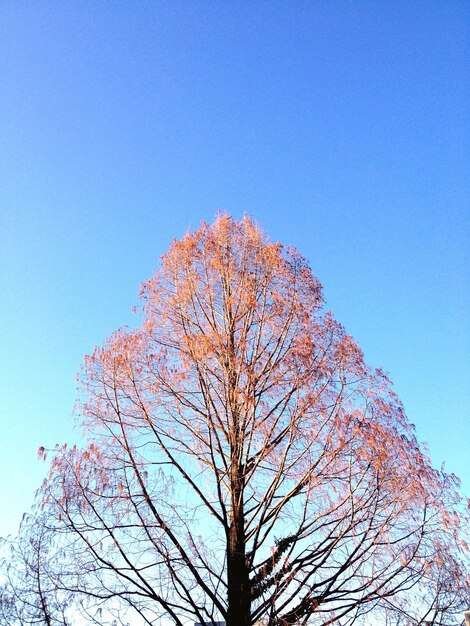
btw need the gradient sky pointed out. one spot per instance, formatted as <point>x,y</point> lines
<point>342,127</point>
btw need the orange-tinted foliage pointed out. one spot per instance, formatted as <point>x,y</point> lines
<point>245,462</point>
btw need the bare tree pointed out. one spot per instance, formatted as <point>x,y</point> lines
<point>245,464</point>
<point>29,593</point>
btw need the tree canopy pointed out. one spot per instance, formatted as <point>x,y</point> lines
<point>244,463</point>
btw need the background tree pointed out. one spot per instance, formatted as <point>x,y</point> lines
<point>244,463</point>
<point>40,579</point>
<point>29,593</point>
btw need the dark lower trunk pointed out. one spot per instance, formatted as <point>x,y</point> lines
<point>239,608</point>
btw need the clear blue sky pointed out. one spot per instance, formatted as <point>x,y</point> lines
<point>342,127</point>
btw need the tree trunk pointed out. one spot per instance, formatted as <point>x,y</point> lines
<point>239,609</point>
<point>238,580</point>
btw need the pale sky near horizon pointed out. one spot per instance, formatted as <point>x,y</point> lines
<point>343,128</point>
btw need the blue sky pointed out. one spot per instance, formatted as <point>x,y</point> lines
<point>342,127</point>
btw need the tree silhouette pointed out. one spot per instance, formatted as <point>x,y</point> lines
<point>29,593</point>
<point>245,464</point>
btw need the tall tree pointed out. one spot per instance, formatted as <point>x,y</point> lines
<point>245,464</point>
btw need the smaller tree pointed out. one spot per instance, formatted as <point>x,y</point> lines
<point>40,574</point>
<point>29,591</point>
